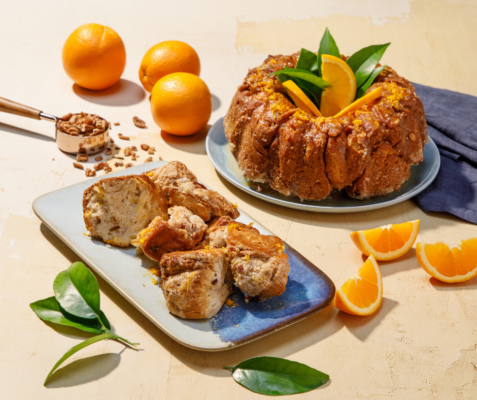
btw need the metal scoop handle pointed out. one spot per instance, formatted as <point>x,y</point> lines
<point>12,107</point>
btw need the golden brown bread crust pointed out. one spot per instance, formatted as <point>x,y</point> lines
<point>181,232</point>
<point>258,262</point>
<point>182,189</point>
<point>196,283</point>
<point>107,216</point>
<point>299,155</point>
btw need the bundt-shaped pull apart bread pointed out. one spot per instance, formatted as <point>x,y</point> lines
<point>196,283</point>
<point>182,189</point>
<point>368,152</point>
<point>259,265</point>
<point>117,209</point>
<point>182,232</point>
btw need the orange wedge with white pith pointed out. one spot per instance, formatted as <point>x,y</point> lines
<point>300,99</point>
<point>387,242</point>
<point>342,92</point>
<point>363,293</point>
<point>449,264</point>
<point>367,98</point>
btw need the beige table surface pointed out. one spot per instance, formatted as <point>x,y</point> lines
<point>421,344</point>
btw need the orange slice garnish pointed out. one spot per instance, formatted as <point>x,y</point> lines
<point>451,265</point>
<point>387,242</point>
<point>300,99</point>
<point>363,293</point>
<point>342,92</point>
<point>367,98</point>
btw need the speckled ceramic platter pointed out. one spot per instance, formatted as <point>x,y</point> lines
<point>308,291</point>
<point>224,162</point>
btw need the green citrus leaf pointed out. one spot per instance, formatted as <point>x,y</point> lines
<point>313,92</point>
<point>365,86</point>
<point>305,75</point>
<point>276,376</point>
<point>49,310</point>
<point>307,61</point>
<point>77,292</point>
<point>327,46</point>
<point>77,348</point>
<point>365,60</point>
<point>104,320</point>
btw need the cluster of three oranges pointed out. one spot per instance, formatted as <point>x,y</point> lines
<point>94,57</point>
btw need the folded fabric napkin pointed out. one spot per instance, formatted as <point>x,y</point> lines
<point>452,123</point>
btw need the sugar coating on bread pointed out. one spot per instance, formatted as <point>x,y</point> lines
<point>182,189</point>
<point>117,209</point>
<point>196,283</point>
<point>258,262</point>
<point>181,232</point>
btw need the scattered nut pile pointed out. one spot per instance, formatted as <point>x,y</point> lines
<point>130,151</point>
<point>82,124</point>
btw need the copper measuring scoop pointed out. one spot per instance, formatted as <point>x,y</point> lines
<point>66,142</point>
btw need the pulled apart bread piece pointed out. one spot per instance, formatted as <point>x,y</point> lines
<point>259,265</point>
<point>215,235</point>
<point>182,189</point>
<point>117,209</point>
<point>196,283</point>
<point>182,232</point>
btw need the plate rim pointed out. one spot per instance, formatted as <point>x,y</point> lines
<point>227,345</point>
<point>325,209</point>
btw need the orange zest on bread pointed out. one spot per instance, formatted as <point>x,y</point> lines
<point>449,264</point>
<point>361,294</point>
<point>387,242</point>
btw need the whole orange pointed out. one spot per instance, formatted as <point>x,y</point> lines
<point>181,103</point>
<point>94,56</point>
<point>166,58</point>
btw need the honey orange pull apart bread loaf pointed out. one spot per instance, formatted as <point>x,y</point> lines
<point>367,152</point>
<point>196,283</point>
<point>117,209</point>
<point>182,189</point>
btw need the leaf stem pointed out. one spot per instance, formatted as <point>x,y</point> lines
<point>229,368</point>
<point>120,338</point>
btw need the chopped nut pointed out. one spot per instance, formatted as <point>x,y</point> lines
<point>139,123</point>
<point>127,151</point>
<point>108,152</point>
<point>107,169</point>
<point>98,158</point>
<point>119,164</point>
<point>77,165</point>
<point>67,117</point>
<point>81,157</point>
<point>122,137</point>
<point>133,157</point>
<point>117,148</point>
<point>160,158</point>
<point>133,148</point>
<point>149,159</point>
<point>116,124</point>
<point>150,151</point>
<point>89,172</point>
<point>129,165</point>
<point>82,124</point>
<point>111,140</point>
<point>145,147</point>
<point>100,166</point>
<point>118,157</point>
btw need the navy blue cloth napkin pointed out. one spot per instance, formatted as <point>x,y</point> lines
<point>452,123</point>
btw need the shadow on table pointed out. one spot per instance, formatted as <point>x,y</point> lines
<point>191,144</point>
<point>216,103</point>
<point>282,343</point>
<point>28,134</point>
<point>454,287</point>
<point>404,263</point>
<point>85,370</point>
<point>122,93</point>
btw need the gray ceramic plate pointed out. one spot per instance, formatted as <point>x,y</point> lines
<point>421,177</point>
<point>308,290</point>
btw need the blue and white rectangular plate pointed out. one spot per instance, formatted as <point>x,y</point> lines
<point>308,290</point>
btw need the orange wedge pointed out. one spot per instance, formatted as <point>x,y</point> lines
<point>363,293</point>
<point>367,98</point>
<point>451,265</point>
<point>387,242</point>
<point>343,85</point>
<point>300,99</point>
